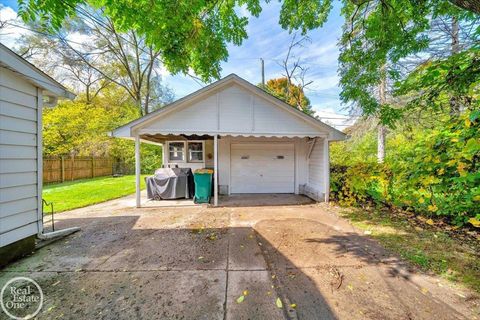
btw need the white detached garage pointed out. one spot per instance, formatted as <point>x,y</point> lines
<point>255,142</point>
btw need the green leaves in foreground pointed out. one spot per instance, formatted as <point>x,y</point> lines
<point>438,81</point>
<point>191,35</point>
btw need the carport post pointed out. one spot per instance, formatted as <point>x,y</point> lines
<point>215,170</point>
<point>137,170</point>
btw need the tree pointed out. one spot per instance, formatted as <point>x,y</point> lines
<point>80,129</point>
<point>77,128</point>
<point>194,34</point>
<point>290,88</point>
<point>290,93</point>
<point>108,56</point>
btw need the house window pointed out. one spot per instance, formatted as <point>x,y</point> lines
<point>176,151</point>
<point>195,151</point>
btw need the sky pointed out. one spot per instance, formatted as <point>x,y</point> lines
<point>267,40</point>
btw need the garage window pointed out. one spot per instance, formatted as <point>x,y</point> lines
<point>185,151</point>
<point>195,151</point>
<point>176,151</point>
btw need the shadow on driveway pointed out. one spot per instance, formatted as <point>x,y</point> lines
<point>138,267</point>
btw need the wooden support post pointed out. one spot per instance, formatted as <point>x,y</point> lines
<point>93,167</point>
<point>215,172</point>
<point>137,170</point>
<point>62,167</point>
<point>72,171</point>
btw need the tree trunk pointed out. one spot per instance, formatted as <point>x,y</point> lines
<point>381,143</point>
<point>469,5</point>
<point>382,88</point>
<point>455,48</point>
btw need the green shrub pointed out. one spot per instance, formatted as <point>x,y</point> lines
<point>438,174</point>
<point>360,183</point>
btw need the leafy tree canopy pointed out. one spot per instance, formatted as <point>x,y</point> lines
<point>193,35</point>
<point>80,129</point>
<point>290,93</point>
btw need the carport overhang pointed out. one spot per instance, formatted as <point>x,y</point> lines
<point>162,137</point>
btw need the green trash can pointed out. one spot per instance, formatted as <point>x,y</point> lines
<point>203,185</point>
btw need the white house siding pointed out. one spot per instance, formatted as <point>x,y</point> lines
<point>230,110</point>
<point>18,158</point>
<point>315,187</point>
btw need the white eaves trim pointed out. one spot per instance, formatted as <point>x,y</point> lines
<point>128,129</point>
<point>32,74</point>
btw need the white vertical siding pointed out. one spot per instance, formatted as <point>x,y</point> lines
<point>235,107</point>
<point>224,165</point>
<point>209,151</point>
<point>301,168</point>
<point>231,110</point>
<point>315,166</point>
<point>315,187</point>
<point>18,158</point>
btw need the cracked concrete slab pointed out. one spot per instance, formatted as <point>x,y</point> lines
<point>195,262</point>
<point>259,294</point>
<point>130,295</point>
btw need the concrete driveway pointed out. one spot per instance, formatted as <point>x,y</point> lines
<point>298,261</point>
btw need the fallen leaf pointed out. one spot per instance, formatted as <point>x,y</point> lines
<point>279,303</point>
<point>424,290</point>
<point>245,293</point>
<point>293,305</point>
<point>474,222</point>
<point>200,258</point>
<point>350,287</point>
<point>240,299</point>
<point>430,222</point>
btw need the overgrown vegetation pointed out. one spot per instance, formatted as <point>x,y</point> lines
<point>81,128</point>
<point>434,172</point>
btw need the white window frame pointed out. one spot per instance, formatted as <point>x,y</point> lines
<point>186,153</point>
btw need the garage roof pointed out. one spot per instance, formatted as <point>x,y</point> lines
<point>230,106</point>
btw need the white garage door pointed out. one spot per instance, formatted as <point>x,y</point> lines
<point>262,168</point>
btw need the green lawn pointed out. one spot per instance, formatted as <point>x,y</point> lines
<point>82,193</point>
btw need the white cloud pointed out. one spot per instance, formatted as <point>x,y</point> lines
<point>10,32</point>
<point>330,116</point>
